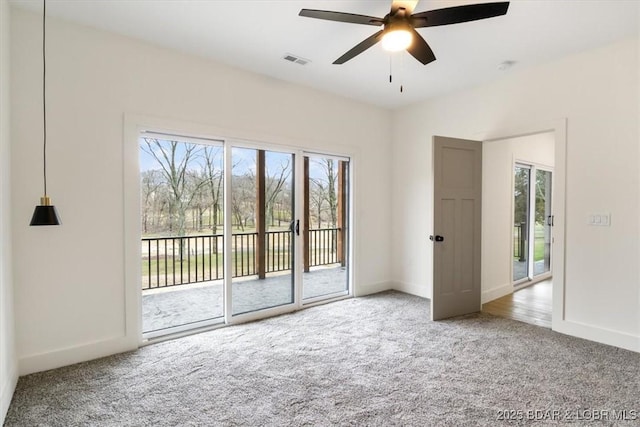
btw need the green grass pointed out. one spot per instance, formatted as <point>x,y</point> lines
<point>538,253</point>
<point>538,244</point>
<point>206,262</point>
<point>172,265</point>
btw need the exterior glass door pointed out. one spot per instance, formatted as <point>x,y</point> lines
<point>325,237</point>
<point>521,215</point>
<point>533,222</point>
<point>543,223</point>
<point>263,229</point>
<point>182,241</point>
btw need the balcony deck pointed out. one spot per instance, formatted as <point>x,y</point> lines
<point>180,305</point>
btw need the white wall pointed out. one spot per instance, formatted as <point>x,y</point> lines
<point>70,307</point>
<point>70,297</point>
<point>8,359</point>
<point>498,159</point>
<point>597,92</point>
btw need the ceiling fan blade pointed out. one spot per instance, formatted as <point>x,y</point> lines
<point>408,5</point>
<point>360,47</point>
<point>350,18</point>
<point>420,50</point>
<point>458,14</point>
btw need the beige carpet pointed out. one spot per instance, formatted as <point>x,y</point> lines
<point>374,361</point>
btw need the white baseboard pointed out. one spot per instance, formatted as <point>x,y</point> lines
<point>597,334</point>
<point>408,288</point>
<point>76,354</point>
<point>373,288</point>
<point>6,393</point>
<point>495,293</point>
<point>424,292</point>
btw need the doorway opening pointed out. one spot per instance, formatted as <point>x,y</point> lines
<point>518,233</point>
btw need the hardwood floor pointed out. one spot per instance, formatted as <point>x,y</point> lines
<point>530,305</point>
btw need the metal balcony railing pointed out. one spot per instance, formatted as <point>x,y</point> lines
<point>173,261</point>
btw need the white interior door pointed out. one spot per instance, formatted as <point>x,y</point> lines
<point>457,166</point>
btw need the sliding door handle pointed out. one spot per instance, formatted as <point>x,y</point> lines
<point>436,238</point>
<point>294,226</point>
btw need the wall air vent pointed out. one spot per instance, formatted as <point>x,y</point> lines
<point>295,59</point>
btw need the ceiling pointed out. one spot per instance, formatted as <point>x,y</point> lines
<point>255,35</point>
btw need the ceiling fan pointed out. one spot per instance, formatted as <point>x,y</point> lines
<point>399,26</point>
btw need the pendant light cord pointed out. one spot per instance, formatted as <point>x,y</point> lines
<point>44,95</point>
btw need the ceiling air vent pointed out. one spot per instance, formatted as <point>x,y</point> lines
<point>295,59</point>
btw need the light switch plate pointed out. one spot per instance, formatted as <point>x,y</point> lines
<point>599,219</point>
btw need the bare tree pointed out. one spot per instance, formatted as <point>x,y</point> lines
<point>277,191</point>
<point>317,197</point>
<point>151,183</point>
<point>174,158</point>
<point>277,188</point>
<point>213,176</point>
<point>326,187</point>
<point>200,197</point>
<point>243,200</point>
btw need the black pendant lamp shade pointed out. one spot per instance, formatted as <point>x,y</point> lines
<point>45,213</point>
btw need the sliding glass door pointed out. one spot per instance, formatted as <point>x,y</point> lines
<point>521,226</point>
<point>232,232</point>
<point>325,231</point>
<point>544,223</point>
<point>181,219</point>
<point>263,229</point>
<point>533,222</point>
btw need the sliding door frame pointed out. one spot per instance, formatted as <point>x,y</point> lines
<point>204,323</point>
<point>134,125</point>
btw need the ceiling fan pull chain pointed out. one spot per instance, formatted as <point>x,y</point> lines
<point>401,73</point>
<point>390,69</point>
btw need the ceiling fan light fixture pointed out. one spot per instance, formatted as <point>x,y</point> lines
<point>400,24</point>
<point>397,40</point>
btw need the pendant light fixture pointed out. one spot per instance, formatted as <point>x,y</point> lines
<point>45,213</point>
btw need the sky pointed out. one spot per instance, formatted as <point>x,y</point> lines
<point>243,159</point>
